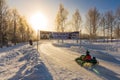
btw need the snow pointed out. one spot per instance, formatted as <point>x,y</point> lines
<point>22,62</point>
<point>56,61</point>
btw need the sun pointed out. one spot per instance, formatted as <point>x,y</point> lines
<point>39,21</point>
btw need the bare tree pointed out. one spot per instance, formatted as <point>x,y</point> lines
<point>16,18</point>
<point>3,10</point>
<point>12,24</point>
<point>61,18</point>
<point>5,27</point>
<point>77,20</point>
<point>29,32</point>
<point>103,24</point>
<point>93,17</point>
<point>117,21</point>
<point>9,25</point>
<point>22,28</point>
<point>110,23</point>
<point>22,31</point>
<point>25,31</point>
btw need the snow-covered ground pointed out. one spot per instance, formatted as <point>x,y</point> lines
<point>56,61</point>
<point>22,62</point>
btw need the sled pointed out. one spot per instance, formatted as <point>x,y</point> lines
<point>83,63</point>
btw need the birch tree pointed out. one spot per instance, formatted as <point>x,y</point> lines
<point>103,25</point>
<point>61,18</point>
<point>110,23</point>
<point>76,20</point>
<point>117,28</point>
<point>92,22</point>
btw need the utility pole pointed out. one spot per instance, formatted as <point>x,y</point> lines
<point>80,37</point>
<point>37,40</point>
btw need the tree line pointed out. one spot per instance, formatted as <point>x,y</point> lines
<point>106,25</point>
<point>13,26</point>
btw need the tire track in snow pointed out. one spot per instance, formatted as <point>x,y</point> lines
<point>65,60</point>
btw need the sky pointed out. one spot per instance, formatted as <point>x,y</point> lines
<point>50,7</point>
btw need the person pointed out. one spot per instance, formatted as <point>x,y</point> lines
<point>93,60</point>
<point>87,56</point>
<point>30,42</point>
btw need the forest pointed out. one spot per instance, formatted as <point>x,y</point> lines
<point>14,27</point>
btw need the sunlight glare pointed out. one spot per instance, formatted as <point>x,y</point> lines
<point>39,21</point>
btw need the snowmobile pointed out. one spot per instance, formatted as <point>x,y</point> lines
<point>80,60</point>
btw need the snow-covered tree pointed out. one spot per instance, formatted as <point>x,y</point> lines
<point>3,10</point>
<point>61,18</point>
<point>76,20</point>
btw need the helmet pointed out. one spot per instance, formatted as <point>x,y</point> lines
<point>87,52</point>
<point>94,57</point>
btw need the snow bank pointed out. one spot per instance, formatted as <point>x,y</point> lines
<point>108,55</point>
<point>22,63</point>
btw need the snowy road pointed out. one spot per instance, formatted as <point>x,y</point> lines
<point>62,65</point>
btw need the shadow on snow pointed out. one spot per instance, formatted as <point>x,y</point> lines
<point>106,57</point>
<point>33,69</point>
<point>100,54</point>
<point>38,72</point>
<point>104,73</point>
